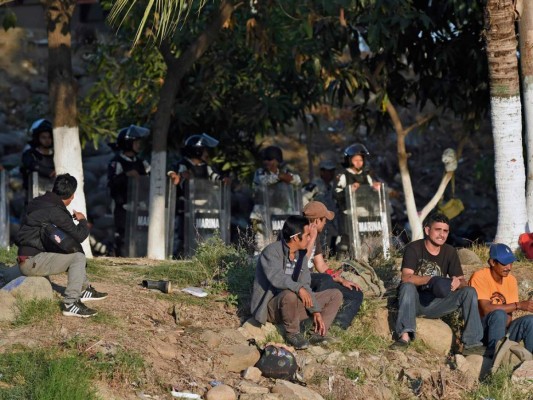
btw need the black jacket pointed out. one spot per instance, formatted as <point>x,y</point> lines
<point>48,208</point>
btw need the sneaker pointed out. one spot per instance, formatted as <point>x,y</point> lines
<point>90,294</point>
<point>77,309</point>
<point>316,339</point>
<point>400,344</point>
<point>297,340</point>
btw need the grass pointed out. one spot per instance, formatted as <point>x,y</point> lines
<point>35,310</point>
<point>498,386</point>
<point>119,367</point>
<point>8,256</point>
<point>44,375</point>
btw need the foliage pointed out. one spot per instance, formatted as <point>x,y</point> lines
<point>35,310</point>
<point>44,375</point>
<point>8,256</point>
<point>124,365</point>
<point>497,386</point>
<point>8,17</point>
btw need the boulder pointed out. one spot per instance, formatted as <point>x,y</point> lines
<point>474,366</point>
<point>436,334</point>
<point>8,308</point>
<point>293,391</point>
<point>524,373</point>
<point>252,388</point>
<point>238,357</point>
<point>30,287</point>
<point>252,374</point>
<point>468,257</point>
<point>380,323</point>
<point>253,329</point>
<point>221,392</point>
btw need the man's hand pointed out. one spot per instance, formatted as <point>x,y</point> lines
<point>526,305</point>
<point>355,185</point>
<point>175,178</point>
<point>376,185</point>
<point>53,174</point>
<point>285,177</point>
<point>456,283</point>
<point>313,231</point>
<point>306,298</point>
<point>320,327</point>
<point>346,283</point>
<point>78,216</point>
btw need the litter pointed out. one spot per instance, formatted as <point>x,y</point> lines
<point>185,395</point>
<point>195,291</point>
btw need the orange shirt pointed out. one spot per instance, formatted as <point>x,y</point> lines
<point>488,289</point>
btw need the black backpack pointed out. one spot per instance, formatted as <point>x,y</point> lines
<point>55,240</point>
<point>277,362</point>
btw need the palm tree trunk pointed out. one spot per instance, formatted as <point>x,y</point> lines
<point>526,62</point>
<point>67,146</point>
<point>506,121</point>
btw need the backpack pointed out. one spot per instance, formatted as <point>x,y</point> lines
<point>363,274</point>
<point>55,240</point>
<point>277,361</point>
<point>510,353</point>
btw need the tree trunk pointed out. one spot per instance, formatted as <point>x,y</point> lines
<point>506,121</point>
<point>176,69</point>
<point>526,62</point>
<point>67,147</point>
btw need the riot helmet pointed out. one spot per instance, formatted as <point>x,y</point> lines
<point>196,144</point>
<point>356,149</point>
<point>38,127</point>
<point>127,136</point>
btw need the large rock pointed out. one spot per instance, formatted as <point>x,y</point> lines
<point>8,306</point>
<point>436,334</point>
<point>475,366</point>
<point>380,323</point>
<point>253,329</point>
<point>524,373</point>
<point>468,257</point>
<point>238,357</point>
<point>221,392</point>
<point>30,287</point>
<point>293,391</point>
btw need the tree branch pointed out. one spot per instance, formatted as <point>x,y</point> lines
<point>440,191</point>
<point>418,123</point>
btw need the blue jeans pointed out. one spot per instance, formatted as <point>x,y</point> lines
<point>413,303</point>
<point>494,326</point>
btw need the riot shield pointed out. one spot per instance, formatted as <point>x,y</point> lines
<point>368,222</point>
<point>207,212</point>
<point>4,210</point>
<point>278,201</point>
<point>138,220</point>
<point>38,185</point>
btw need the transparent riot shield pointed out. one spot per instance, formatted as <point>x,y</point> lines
<point>278,202</point>
<point>38,185</point>
<point>138,220</point>
<point>368,222</point>
<point>207,212</point>
<point>4,210</point>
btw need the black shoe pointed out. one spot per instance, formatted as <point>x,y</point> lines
<point>400,344</point>
<point>297,340</point>
<point>475,350</point>
<point>316,339</point>
<point>77,309</point>
<point>90,294</point>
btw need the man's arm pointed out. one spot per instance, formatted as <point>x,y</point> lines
<point>64,221</point>
<point>409,276</point>
<point>272,264</point>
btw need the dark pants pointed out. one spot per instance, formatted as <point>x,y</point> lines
<point>351,299</point>
<point>494,325</point>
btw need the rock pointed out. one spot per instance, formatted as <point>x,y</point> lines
<point>39,84</point>
<point>211,339</point>
<point>380,323</point>
<point>221,392</point>
<point>474,366</point>
<point>252,374</point>
<point>524,373</point>
<point>253,329</point>
<point>415,373</point>
<point>8,309</point>
<point>267,396</point>
<point>231,335</point>
<point>293,391</point>
<point>252,388</point>
<point>235,358</point>
<point>436,334</point>
<point>167,351</point>
<point>30,287</point>
<point>468,257</point>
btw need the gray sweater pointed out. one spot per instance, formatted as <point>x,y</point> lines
<point>270,279</point>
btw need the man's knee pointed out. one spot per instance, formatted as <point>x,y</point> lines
<point>289,298</point>
<point>79,258</point>
<point>407,289</point>
<point>497,317</point>
<point>469,293</point>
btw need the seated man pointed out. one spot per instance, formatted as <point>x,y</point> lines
<point>425,291</point>
<point>317,214</point>
<point>497,292</point>
<point>34,260</point>
<point>281,291</point>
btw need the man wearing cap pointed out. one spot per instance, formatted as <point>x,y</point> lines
<point>433,285</point>
<point>497,292</point>
<point>323,189</point>
<point>317,214</point>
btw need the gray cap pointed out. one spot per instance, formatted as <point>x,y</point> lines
<point>327,164</point>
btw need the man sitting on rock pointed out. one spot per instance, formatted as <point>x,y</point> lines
<point>317,214</point>
<point>497,292</point>
<point>433,285</point>
<point>35,260</point>
<point>282,292</point>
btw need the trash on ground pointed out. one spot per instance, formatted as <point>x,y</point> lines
<point>195,291</point>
